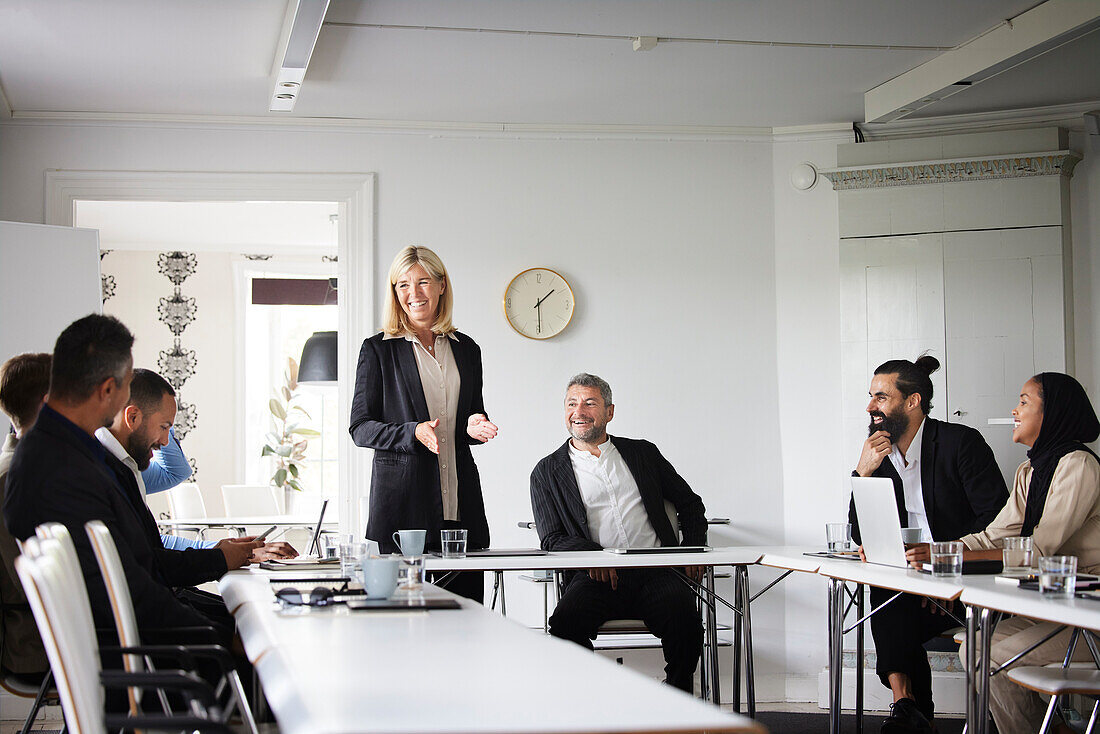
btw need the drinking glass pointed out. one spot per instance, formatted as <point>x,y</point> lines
<point>1017,554</point>
<point>453,542</point>
<point>350,554</point>
<point>838,535</point>
<point>1057,576</point>
<point>331,542</point>
<point>410,574</point>
<point>947,559</point>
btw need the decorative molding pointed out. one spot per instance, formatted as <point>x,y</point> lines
<point>1052,163</point>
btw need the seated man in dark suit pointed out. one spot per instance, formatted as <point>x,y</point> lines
<point>947,483</point>
<point>597,491</point>
<point>61,473</point>
<point>24,380</point>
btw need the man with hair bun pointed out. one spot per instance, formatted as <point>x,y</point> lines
<point>947,483</point>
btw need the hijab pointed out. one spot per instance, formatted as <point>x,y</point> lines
<point>1069,422</point>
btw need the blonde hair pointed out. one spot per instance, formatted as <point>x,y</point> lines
<point>395,321</point>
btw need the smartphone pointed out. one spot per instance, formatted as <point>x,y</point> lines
<point>264,534</point>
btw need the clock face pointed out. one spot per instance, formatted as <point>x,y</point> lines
<point>538,303</point>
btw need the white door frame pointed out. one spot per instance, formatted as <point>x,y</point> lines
<point>355,195</point>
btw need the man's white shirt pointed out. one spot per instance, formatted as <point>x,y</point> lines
<point>111,444</point>
<point>617,517</point>
<point>908,467</point>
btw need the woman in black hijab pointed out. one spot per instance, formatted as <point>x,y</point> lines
<point>1055,500</point>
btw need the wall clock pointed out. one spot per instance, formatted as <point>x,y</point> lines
<point>538,303</point>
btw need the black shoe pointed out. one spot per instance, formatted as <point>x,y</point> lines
<point>905,718</point>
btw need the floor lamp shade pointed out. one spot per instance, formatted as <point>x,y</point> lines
<point>318,363</point>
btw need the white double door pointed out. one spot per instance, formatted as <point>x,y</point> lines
<point>989,304</point>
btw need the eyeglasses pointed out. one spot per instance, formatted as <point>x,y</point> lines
<point>320,596</point>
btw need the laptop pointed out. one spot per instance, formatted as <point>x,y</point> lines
<point>879,525</point>
<point>658,550</point>
<point>313,548</point>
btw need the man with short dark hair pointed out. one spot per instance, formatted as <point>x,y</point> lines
<point>24,380</point>
<point>598,491</point>
<point>61,473</point>
<point>946,482</point>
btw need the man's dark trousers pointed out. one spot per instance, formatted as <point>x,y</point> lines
<point>657,596</point>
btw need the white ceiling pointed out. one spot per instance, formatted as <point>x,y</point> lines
<point>244,227</point>
<point>214,58</point>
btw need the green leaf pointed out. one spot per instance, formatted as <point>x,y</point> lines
<point>267,451</point>
<point>305,432</point>
<point>302,410</point>
<point>293,470</point>
<point>293,483</point>
<point>283,450</point>
<point>280,478</point>
<point>286,393</point>
<point>277,409</point>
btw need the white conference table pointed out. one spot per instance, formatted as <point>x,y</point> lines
<point>336,671</point>
<point>738,557</point>
<point>242,522</point>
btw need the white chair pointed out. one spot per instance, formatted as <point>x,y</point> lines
<point>1055,682</point>
<point>68,635</point>
<point>250,500</point>
<point>185,501</point>
<point>118,592</point>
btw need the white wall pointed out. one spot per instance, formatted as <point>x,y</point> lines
<point>668,246</point>
<point>807,292</point>
<point>1085,218</point>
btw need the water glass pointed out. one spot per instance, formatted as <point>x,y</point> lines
<point>330,544</point>
<point>1057,576</point>
<point>1016,554</point>
<point>910,536</point>
<point>350,554</point>
<point>410,574</point>
<point>838,535</point>
<point>947,559</point>
<point>453,543</point>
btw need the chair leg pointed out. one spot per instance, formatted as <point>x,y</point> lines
<point>242,701</point>
<point>43,689</point>
<point>1049,715</point>
<point>1092,719</point>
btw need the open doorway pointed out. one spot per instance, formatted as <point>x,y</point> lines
<point>220,296</point>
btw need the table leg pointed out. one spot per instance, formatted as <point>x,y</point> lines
<point>973,669</point>
<point>836,638</point>
<point>983,678</point>
<point>503,601</point>
<point>740,602</point>
<point>712,638</point>
<point>746,622</point>
<point>859,659</point>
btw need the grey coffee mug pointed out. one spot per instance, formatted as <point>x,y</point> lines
<point>411,542</point>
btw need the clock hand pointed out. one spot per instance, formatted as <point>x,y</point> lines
<point>539,302</point>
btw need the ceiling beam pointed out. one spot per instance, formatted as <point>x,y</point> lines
<point>301,26</point>
<point>1025,37</point>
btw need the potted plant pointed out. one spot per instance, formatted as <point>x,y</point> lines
<point>288,441</point>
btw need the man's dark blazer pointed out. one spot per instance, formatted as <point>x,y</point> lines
<point>962,486</point>
<point>54,477</point>
<point>387,406</point>
<point>560,515</point>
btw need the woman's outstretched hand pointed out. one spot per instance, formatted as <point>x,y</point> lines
<point>480,428</point>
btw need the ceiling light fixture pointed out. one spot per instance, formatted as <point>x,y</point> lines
<point>301,27</point>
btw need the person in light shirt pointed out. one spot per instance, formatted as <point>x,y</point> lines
<point>947,483</point>
<point>598,491</point>
<point>1056,502</point>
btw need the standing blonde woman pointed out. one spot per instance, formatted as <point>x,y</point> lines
<point>418,404</point>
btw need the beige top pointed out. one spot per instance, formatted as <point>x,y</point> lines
<point>440,379</point>
<point>1070,524</point>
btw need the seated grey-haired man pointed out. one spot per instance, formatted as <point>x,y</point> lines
<point>598,491</point>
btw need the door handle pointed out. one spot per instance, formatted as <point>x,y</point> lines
<point>959,413</point>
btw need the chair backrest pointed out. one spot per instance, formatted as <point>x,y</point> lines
<point>244,500</point>
<point>118,592</point>
<point>66,555</point>
<point>67,631</point>
<point>185,500</point>
<point>159,505</point>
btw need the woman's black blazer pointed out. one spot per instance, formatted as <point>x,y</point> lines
<point>387,406</point>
